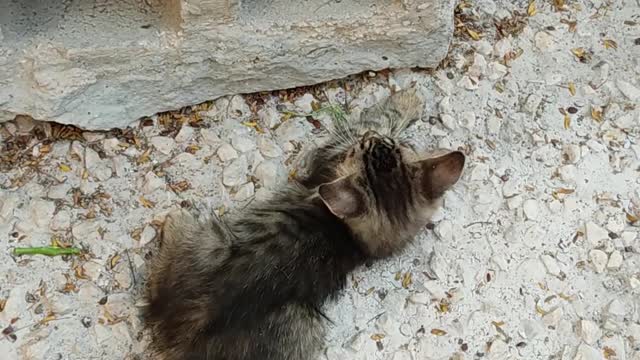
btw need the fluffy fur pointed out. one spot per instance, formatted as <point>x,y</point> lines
<point>253,288</point>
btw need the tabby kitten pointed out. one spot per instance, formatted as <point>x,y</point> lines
<point>253,288</point>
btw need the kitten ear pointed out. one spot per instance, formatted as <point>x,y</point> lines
<point>342,198</point>
<point>437,175</point>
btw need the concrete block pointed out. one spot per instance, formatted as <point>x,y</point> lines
<point>102,64</point>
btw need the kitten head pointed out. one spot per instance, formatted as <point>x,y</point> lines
<point>385,193</point>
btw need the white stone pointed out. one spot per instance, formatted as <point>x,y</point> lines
<point>568,173</point>
<point>468,120</point>
<point>269,116</point>
<point>544,41</point>
<point>467,83</point>
<point>553,317</point>
<point>61,221</point>
<point>420,298</point>
<point>210,137</point>
<point>588,331</point>
<point>148,234</point>
<point>226,152</point>
<point>586,352</point>
<point>97,167</point>
<point>497,71</point>
<point>445,105</point>
<point>271,174</point>
<point>448,121</point>
<point>111,146</point>
<point>532,103</point>
<point>242,143</point>
<point>615,260</point>
<point>444,230</point>
<point>479,66</point>
<point>531,329</point>
<point>236,173</point>
<point>59,191</point>
<point>435,289</point>
<point>594,234</point>
<point>269,148</point>
<point>245,192</point>
<point>630,91</point>
<point>289,130</point>
<point>304,103</point>
<point>152,183</point>
<point>571,153</point>
<point>531,209</point>
<point>93,270</point>
<point>551,264</point>
<point>185,134</point>
<point>41,212</point>
<point>502,47</point>
<point>484,47</point>
<point>598,260</point>
<point>163,144</point>
<point>357,341</point>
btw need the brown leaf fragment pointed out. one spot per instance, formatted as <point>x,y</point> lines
<point>3,304</point>
<point>180,186</point>
<point>80,273</point>
<point>609,353</point>
<point>64,167</point>
<point>474,35</point>
<point>146,203</point>
<point>610,44</point>
<point>377,337</point>
<point>438,332</point>
<point>596,113</point>
<point>144,158</point>
<point>192,149</point>
<point>572,88</point>
<point>583,55</point>
<point>558,5</point>
<point>571,24</point>
<point>136,234</point>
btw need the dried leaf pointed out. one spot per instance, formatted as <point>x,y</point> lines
<point>255,125</point>
<point>596,114</point>
<point>115,259</point>
<point>558,4</point>
<point>50,317</point>
<point>80,273</point>
<point>443,306</point>
<point>293,174</point>
<point>136,234</point>
<point>572,88</point>
<point>144,158</point>
<point>567,121</point>
<point>180,186</point>
<point>3,303</point>
<point>146,203</point>
<point>315,106</point>
<point>474,35</point>
<point>571,24</point>
<point>609,353</point>
<point>192,149</point>
<point>438,332</point>
<point>531,10</point>
<point>64,167</point>
<point>578,52</point>
<point>632,218</point>
<point>610,44</point>
<point>406,280</point>
<point>377,337</point>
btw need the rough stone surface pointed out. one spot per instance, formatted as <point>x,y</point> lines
<point>105,66</point>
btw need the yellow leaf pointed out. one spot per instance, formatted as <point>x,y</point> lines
<point>438,332</point>
<point>596,114</point>
<point>406,280</point>
<point>114,261</point>
<point>610,44</point>
<point>572,88</point>
<point>85,174</point>
<point>632,218</point>
<point>377,337</point>
<point>64,168</point>
<point>567,121</point>
<point>146,203</point>
<point>474,35</point>
<point>531,10</point>
<point>578,52</point>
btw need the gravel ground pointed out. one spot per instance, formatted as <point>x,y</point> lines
<point>535,255</point>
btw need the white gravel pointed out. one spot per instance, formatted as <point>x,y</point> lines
<point>535,255</point>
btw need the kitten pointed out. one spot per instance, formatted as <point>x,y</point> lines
<point>254,286</point>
